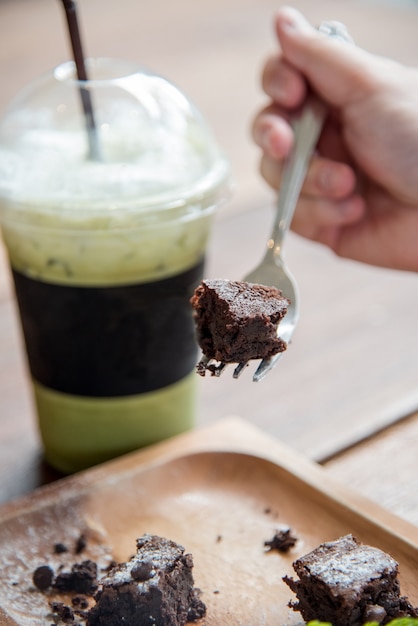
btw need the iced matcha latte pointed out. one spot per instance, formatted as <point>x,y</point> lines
<point>106,253</point>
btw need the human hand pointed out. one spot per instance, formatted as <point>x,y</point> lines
<point>360,196</point>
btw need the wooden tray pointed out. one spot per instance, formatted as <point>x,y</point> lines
<point>220,492</point>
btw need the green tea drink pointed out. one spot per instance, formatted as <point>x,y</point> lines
<point>105,255</point>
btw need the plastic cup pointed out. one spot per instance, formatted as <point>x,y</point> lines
<point>105,254</point>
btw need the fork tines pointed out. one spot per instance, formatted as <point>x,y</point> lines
<point>239,369</point>
<point>217,367</point>
<point>214,367</point>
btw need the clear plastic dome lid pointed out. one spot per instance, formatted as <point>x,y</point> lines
<point>155,150</point>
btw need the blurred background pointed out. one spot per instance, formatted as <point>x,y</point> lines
<point>352,368</point>
<point>214,51</point>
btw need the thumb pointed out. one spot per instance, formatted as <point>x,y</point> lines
<point>339,72</point>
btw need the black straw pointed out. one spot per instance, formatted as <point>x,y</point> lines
<point>77,48</point>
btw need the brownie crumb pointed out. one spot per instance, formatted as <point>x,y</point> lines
<point>81,579</point>
<point>201,368</point>
<point>60,548</point>
<point>80,544</point>
<point>80,602</point>
<point>43,577</point>
<point>110,566</point>
<point>282,541</point>
<point>63,612</point>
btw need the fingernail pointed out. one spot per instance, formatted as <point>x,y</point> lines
<point>327,179</point>
<point>338,180</point>
<point>292,20</point>
<point>265,138</point>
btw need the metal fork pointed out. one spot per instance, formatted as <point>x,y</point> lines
<point>273,270</point>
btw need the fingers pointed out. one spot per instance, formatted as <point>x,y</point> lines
<point>339,72</point>
<point>325,179</point>
<point>287,89</point>
<point>328,201</point>
<point>321,219</point>
<point>272,132</point>
<point>282,83</point>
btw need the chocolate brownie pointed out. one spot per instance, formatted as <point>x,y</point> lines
<point>237,321</point>
<point>154,587</point>
<point>347,583</point>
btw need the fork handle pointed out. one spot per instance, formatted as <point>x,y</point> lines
<point>307,128</point>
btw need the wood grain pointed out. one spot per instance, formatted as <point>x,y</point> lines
<point>352,368</point>
<point>220,492</point>
<point>384,468</point>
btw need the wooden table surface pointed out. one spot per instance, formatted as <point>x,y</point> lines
<point>346,393</point>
